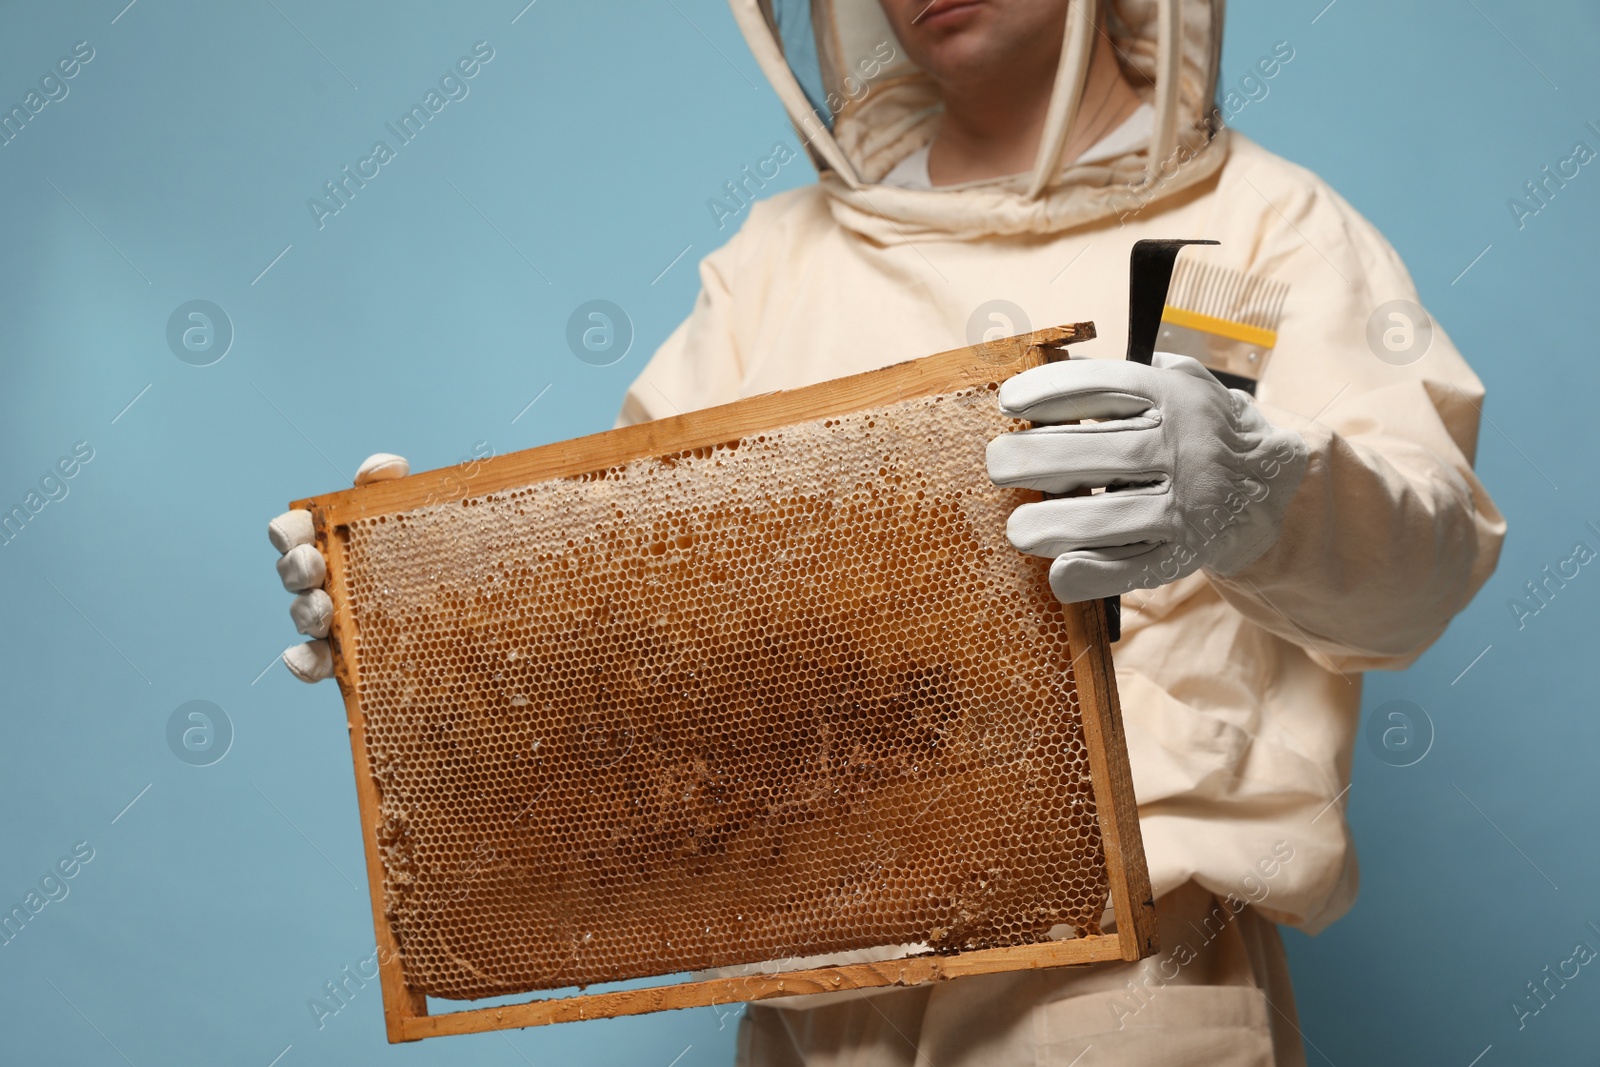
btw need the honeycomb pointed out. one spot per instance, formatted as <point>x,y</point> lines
<point>789,695</point>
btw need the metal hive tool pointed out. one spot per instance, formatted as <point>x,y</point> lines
<point>745,686</point>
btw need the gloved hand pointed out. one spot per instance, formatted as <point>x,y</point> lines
<point>303,570</point>
<point>1203,478</point>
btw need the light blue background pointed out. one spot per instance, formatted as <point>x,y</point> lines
<point>424,318</point>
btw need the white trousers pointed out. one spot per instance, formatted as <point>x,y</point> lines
<point>1217,995</point>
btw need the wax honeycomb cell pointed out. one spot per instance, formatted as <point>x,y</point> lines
<point>789,695</point>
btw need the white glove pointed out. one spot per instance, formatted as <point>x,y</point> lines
<point>1206,478</point>
<point>303,570</point>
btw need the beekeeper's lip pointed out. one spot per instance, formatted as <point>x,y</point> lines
<point>941,12</point>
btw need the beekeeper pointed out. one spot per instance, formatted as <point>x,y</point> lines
<point>987,165</point>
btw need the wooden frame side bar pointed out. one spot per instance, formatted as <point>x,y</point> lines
<point>1131,897</point>
<point>400,1004</point>
<point>913,970</point>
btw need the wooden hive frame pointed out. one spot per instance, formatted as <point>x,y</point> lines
<point>406,1011</point>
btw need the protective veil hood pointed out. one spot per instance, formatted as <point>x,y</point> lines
<point>860,106</point>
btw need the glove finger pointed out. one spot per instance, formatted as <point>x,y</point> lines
<point>1103,521</point>
<point>1077,577</point>
<point>1080,389</point>
<point>310,662</point>
<point>380,467</point>
<point>291,529</point>
<point>302,567</point>
<point>312,613</point>
<point>1059,459</point>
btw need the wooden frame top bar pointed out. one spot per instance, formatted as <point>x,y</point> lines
<point>946,372</point>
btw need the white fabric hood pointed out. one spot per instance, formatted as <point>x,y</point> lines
<point>865,106</point>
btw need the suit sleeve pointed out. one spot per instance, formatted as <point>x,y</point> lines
<point>699,365</point>
<point>1389,533</point>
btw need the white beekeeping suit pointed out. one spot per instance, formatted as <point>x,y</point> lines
<point>1241,694</point>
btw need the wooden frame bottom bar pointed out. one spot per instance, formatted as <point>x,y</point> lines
<point>912,970</point>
